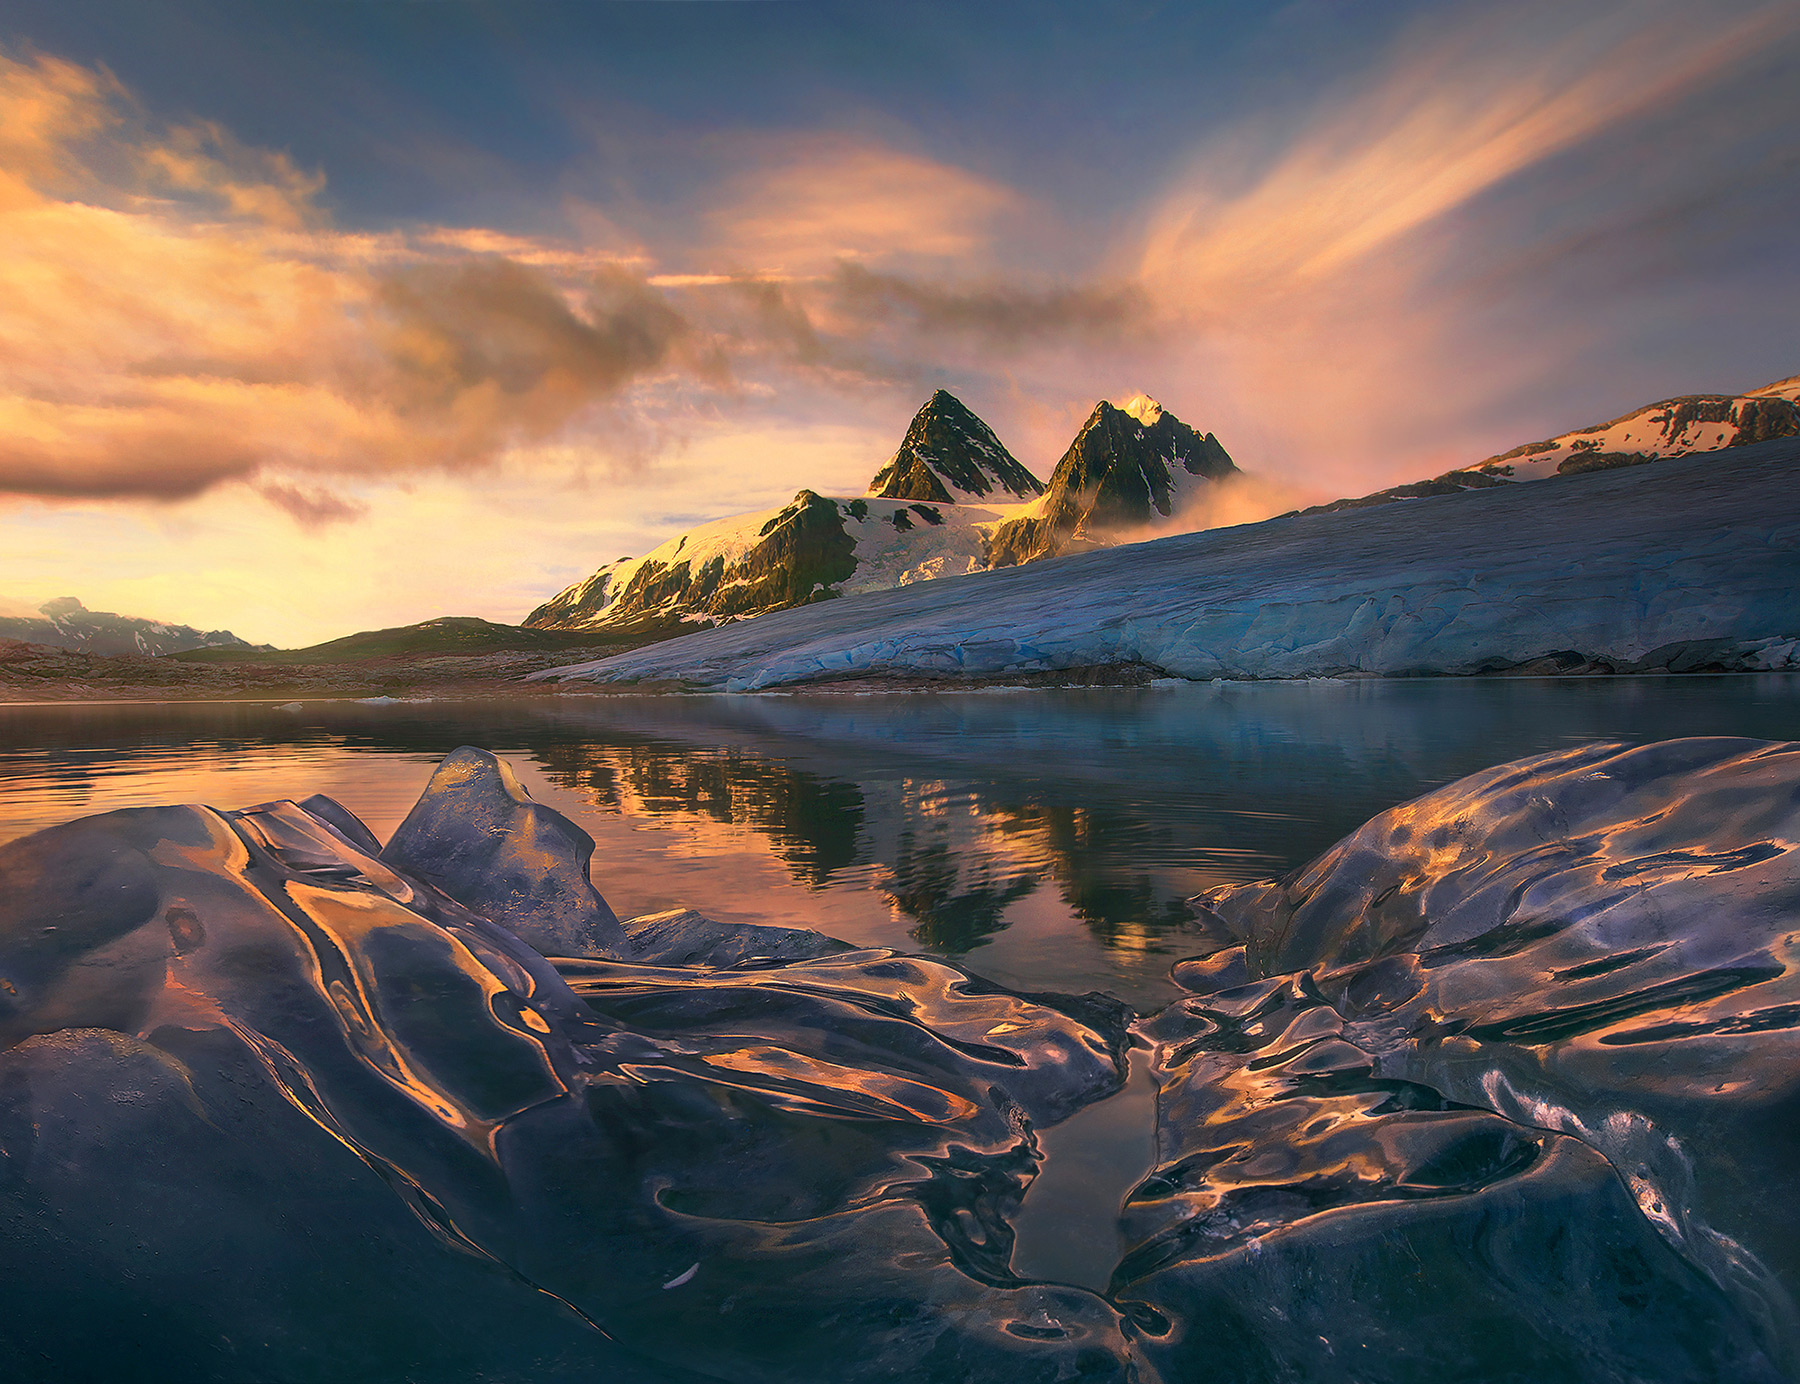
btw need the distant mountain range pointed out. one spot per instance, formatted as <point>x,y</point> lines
<point>67,624</point>
<point>952,500</point>
<point>1675,427</point>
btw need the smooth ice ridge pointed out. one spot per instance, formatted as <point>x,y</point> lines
<point>1691,562</point>
<point>287,1105</point>
<point>1545,1016</point>
<point>1502,1086</point>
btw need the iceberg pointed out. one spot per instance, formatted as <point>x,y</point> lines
<point>1560,993</point>
<point>284,1110</point>
<point>1691,563</point>
<point>1500,1086</point>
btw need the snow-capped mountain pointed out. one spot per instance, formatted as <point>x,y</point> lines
<point>67,624</point>
<point>926,514</point>
<point>1684,566</point>
<point>1675,427</point>
<point>1670,428</point>
<point>811,549</point>
<point>950,456</point>
<point>1128,469</point>
<point>934,510</point>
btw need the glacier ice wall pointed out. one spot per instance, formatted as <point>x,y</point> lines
<point>1688,563</point>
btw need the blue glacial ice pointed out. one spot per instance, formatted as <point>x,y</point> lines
<point>1688,563</point>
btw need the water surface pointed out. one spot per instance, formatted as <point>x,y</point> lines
<point>1047,838</point>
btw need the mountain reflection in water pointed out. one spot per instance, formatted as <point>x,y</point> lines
<point>1500,1086</point>
<point>1049,837</point>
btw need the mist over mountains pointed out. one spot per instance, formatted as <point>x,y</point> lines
<point>1128,466</point>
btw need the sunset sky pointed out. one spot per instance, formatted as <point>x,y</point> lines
<point>325,315</point>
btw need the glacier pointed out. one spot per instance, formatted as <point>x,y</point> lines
<point>1693,562</point>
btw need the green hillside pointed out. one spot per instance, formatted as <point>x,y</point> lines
<point>448,635</point>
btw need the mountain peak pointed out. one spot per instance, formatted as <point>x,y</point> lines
<point>1143,408</point>
<point>1116,477</point>
<point>949,455</point>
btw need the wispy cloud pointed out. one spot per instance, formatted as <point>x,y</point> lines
<point>1342,263</point>
<point>805,202</point>
<point>1451,116</point>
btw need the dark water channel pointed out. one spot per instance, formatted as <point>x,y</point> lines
<point>1046,840</point>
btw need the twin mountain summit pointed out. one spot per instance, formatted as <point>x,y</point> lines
<point>953,500</point>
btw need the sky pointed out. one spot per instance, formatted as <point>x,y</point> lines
<point>325,315</point>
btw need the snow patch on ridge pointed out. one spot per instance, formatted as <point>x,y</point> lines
<point>1143,408</point>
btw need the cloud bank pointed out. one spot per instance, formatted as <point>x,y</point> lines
<point>1482,236</point>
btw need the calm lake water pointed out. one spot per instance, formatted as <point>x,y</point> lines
<point>1044,839</point>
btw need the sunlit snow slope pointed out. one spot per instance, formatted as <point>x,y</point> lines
<point>1694,562</point>
<point>1676,427</point>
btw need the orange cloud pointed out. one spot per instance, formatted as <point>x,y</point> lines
<point>46,106</point>
<point>175,312</point>
<point>807,203</point>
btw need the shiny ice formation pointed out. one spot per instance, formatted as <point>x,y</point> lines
<point>1515,1063</point>
<point>277,1108</point>
<point>1502,1086</point>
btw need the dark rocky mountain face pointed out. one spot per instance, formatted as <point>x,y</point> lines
<point>801,555</point>
<point>950,455</point>
<point>1119,473</point>
<point>67,624</point>
<point>1127,469</point>
<point>578,604</point>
